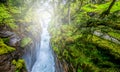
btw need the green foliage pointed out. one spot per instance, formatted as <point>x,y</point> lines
<point>4,14</point>
<point>76,44</point>
<point>6,18</point>
<point>15,10</point>
<point>108,47</point>
<point>16,3</point>
<point>5,48</point>
<point>116,7</point>
<point>19,64</point>
<point>106,44</point>
<point>79,70</point>
<point>99,8</point>
<point>82,52</point>
<point>5,40</point>
<point>115,35</point>
<point>25,41</point>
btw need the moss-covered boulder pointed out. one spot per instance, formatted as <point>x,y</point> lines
<point>19,64</point>
<point>5,48</point>
<point>25,41</point>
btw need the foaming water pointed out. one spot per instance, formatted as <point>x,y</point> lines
<point>45,59</point>
<point>39,58</point>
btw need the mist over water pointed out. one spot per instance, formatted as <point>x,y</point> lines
<point>42,53</point>
<point>45,60</point>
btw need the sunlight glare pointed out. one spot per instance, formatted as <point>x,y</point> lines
<point>43,16</point>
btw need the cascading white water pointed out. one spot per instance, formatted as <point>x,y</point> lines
<point>44,59</point>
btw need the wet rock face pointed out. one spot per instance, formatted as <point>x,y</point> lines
<point>6,59</point>
<point>6,33</point>
<point>14,38</point>
<point>5,63</point>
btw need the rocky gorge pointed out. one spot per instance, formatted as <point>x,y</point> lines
<point>59,36</point>
<point>10,51</point>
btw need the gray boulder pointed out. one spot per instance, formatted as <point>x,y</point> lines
<point>14,38</point>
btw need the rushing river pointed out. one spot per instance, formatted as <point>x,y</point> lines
<point>43,53</point>
<point>45,59</point>
<point>40,58</point>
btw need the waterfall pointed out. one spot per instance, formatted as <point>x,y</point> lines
<point>39,58</point>
<point>45,59</point>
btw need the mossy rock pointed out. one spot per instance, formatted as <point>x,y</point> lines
<point>25,41</point>
<point>113,48</point>
<point>19,64</point>
<point>5,48</point>
<point>100,7</point>
<point>115,35</point>
<point>6,40</point>
<point>7,17</point>
<point>106,44</point>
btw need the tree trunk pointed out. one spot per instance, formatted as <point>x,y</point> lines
<point>106,12</point>
<point>69,13</point>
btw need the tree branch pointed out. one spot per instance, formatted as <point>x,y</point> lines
<point>106,12</point>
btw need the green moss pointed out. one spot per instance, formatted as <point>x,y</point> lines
<point>116,7</point>
<point>79,70</point>
<point>19,64</point>
<point>6,40</point>
<point>75,44</point>
<point>4,14</point>
<point>15,10</point>
<point>82,52</point>
<point>56,49</point>
<point>99,8</point>
<point>106,64</point>
<point>25,41</point>
<point>106,44</point>
<point>115,35</point>
<point>6,17</point>
<point>4,48</point>
<point>12,25</point>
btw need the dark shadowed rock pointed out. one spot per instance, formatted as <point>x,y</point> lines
<point>6,33</point>
<point>14,38</point>
<point>6,59</point>
<point>5,63</point>
<point>91,14</point>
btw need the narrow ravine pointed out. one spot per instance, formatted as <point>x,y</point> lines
<point>45,59</point>
<point>43,53</point>
<point>41,58</point>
